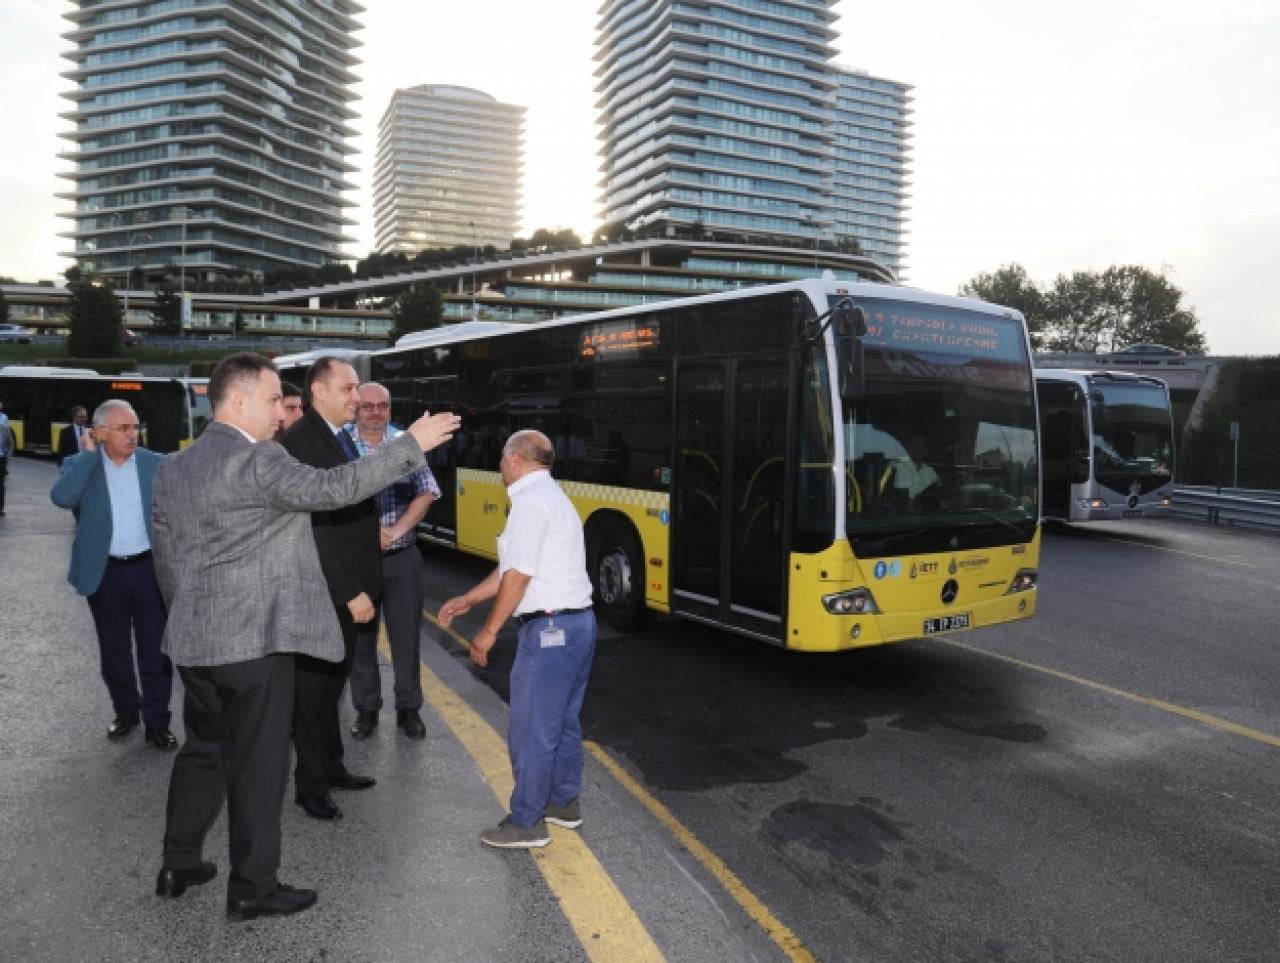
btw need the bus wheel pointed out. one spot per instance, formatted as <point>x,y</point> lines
<point>618,571</point>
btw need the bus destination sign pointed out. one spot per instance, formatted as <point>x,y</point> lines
<point>611,339</point>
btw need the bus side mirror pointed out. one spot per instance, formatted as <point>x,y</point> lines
<point>849,319</point>
<point>851,359</point>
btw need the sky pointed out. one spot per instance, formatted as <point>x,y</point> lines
<point>1062,136</point>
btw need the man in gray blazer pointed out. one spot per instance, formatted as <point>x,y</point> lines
<point>238,568</point>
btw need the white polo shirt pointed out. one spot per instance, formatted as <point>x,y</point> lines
<point>543,539</point>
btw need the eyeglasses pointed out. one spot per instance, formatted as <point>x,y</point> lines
<point>375,406</point>
<point>124,429</point>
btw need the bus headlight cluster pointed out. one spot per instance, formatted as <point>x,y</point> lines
<point>1091,503</point>
<point>1024,581</point>
<point>853,602</point>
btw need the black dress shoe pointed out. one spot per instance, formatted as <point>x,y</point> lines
<point>282,901</point>
<point>365,723</point>
<point>319,807</point>
<point>174,882</point>
<point>161,738</point>
<point>354,783</point>
<point>121,726</point>
<point>411,723</point>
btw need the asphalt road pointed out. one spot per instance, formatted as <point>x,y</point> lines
<point>936,801</point>
<point>1097,784</point>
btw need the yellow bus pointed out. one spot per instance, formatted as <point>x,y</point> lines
<point>39,401</point>
<point>819,464</point>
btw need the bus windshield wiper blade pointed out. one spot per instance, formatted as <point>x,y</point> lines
<point>882,543</point>
<point>994,517</point>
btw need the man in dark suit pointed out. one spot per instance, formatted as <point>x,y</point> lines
<point>347,540</point>
<point>70,438</point>
<point>110,492</point>
<point>237,564</point>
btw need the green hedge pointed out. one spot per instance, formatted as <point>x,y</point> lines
<point>1248,391</point>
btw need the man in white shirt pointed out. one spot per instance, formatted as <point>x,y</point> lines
<point>541,579</point>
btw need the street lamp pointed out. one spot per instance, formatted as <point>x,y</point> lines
<point>128,268</point>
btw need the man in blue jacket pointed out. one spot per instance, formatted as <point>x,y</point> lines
<point>108,485</point>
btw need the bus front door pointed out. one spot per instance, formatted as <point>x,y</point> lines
<point>728,493</point>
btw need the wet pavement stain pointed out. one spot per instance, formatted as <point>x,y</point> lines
<point>860,834</point>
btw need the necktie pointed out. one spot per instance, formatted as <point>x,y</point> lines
<point>345,443</point>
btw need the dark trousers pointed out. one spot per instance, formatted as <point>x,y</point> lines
<point>4,473</point>
<point>401,610</point>
<point>127,610</point>
<point>237,718</point>
<point>317,736</point>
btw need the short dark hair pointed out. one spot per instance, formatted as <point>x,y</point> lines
<point>289,390</point>
<point>320,369</point>
<point>242,370</point>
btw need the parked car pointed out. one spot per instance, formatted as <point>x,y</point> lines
<point>16,332</point>
<point>1147,353</point>
<point>131,338</point>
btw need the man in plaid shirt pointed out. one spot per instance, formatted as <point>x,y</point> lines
<point>400,507</point>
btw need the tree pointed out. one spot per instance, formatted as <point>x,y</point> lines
<point>1122,305</point>
<point>94,321</point>
<point>166,316</point>
<point>1088,311</point>
<point>1011,287</point>
<point>418,308</point>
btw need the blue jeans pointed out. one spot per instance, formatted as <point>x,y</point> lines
<point>544,736</point>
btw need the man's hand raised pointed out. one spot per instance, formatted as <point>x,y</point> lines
<point>432,430</point>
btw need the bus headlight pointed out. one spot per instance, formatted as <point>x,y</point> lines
<point>1091,503</point>
<point>1024,581</point>
<point>853,602</point>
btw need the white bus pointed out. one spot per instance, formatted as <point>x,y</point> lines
<point>1106,445</point>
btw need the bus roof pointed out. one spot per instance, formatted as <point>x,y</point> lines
<point>1079,375</point>
<point>817,289</point>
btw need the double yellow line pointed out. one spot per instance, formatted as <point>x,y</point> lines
<point>600,915</point>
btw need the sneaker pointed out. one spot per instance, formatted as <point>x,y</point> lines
<point>569,815</point>
<point>508,835</point>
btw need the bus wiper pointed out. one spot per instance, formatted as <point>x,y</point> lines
<point>994,517</point>
<point>880,544</point>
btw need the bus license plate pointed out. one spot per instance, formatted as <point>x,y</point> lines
<point>1135,513</point>
<point>946,623</point>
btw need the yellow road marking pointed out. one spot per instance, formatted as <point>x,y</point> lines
<point>1172,551</point>
<point>603,921</point>
<point>1257,735</point>
<point>775,929</point>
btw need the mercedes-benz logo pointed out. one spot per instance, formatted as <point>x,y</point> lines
<point>950,589</point>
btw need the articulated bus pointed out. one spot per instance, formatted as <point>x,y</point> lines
<point>38,401</point>
<point>820,464</point>
<point>1107,445</point>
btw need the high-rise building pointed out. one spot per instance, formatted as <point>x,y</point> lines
<point>211,135</point>
<point>715,117</point>
<point>448,170</point>
<point>869,183</point>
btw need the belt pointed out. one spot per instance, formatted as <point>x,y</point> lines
<point>129,559</point>
<point>524,618</point>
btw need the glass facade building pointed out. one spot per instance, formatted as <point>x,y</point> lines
<point>872,151</point>
<point>715,117</point>
<point>448,170</point>
<point>210,135</point>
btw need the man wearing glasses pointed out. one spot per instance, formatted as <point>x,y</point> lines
<point>400,507</point>
<point>108,485</point>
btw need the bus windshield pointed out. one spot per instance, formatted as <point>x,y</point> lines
<point>944,441</point>
<point>1132,435</point>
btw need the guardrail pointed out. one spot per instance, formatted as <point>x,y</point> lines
<point>1251,508</point>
